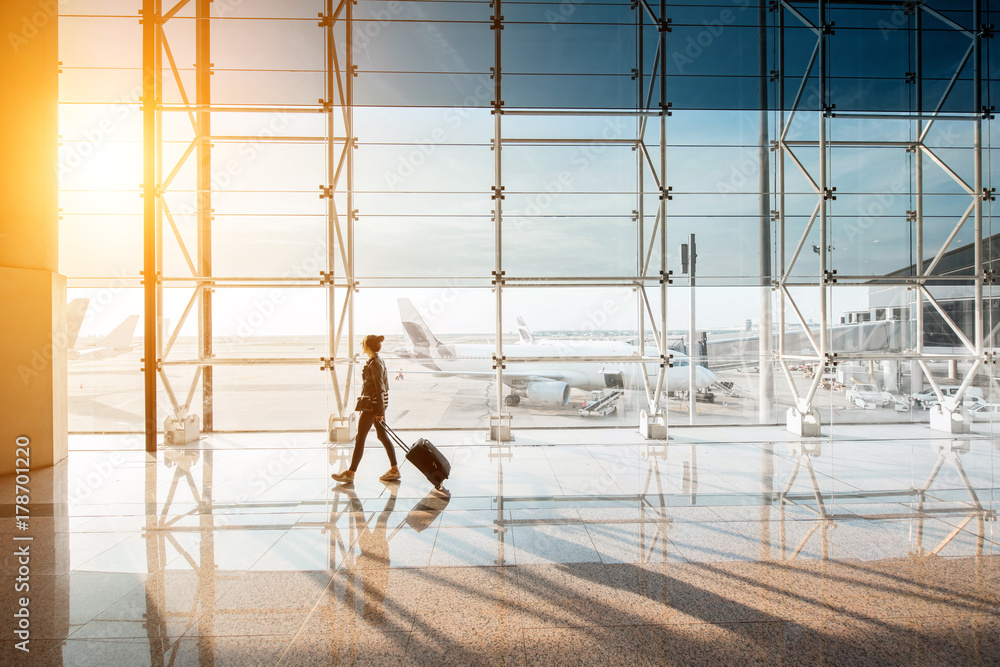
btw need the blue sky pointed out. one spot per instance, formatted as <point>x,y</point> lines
<point>424,173</point>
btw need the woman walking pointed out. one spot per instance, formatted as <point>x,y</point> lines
<point>372,404</point>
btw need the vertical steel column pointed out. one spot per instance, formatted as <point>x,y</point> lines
<point>781,180</point>
<point>664,350</point>
<point>149,148</point>
<point>766,378</point>
<point>692,331</point>
<point>349,167</point>
<point>331,168</point>
<point>158,84</point>
<point>498,205</point>
<point>915,370</point>
<point>640,178</point>
<point>977,95</point>
<point>203,83</point>
<point>823,186</point>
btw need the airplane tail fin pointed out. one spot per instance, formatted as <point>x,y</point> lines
<point>424,342</point>
<point>122,335</point>
<point>523,332</point>
<point>75,312</point>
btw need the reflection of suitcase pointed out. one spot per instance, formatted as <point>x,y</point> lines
<point>429,508</point>
<point>425,457</point>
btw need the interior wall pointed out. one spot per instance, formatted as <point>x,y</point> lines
<point>33,344</point>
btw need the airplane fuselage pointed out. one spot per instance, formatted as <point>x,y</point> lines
<point>474,359</point>
<point>544,371</point>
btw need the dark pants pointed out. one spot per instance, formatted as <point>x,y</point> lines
<point>364,425</point>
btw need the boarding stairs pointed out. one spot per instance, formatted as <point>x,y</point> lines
<point>727,387</point>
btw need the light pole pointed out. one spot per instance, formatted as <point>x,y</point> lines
<point>689,256</point>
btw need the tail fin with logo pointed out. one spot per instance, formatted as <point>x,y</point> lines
<point>424,342</point>
<point>523,332</point>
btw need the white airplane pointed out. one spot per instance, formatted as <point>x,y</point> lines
<point>116,343</point>
<point>539,382</point>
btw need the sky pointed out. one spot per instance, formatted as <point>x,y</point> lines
<point>423,174</point>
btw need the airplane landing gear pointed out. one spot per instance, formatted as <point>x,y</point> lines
<point>512,400</point>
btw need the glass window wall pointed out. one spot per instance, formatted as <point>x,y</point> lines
<point>540,205</point>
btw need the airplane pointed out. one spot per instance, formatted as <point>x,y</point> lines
<point>541,383</point>
<point>523,332</point>
<point>116,343</point>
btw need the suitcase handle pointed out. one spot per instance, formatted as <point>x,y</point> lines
<point>393,436</point>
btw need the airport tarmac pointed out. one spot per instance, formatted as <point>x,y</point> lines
<point>106,396</point>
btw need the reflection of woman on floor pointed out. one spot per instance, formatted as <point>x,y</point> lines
<point>373,561</point>
<point>373,402</point>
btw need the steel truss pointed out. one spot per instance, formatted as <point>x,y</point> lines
<point>821,184</point>
<point>336,21</point>
<point>650,103</point>
<point>156,47</point>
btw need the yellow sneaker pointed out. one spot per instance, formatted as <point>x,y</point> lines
<point>390,476</point>
<point>345,477</point>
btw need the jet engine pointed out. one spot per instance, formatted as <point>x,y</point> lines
<point>548,393</point>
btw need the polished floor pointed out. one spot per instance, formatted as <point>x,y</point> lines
<point>874,545</point>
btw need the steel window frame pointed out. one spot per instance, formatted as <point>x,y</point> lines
<point>918,283</point>
<point>337,22</point>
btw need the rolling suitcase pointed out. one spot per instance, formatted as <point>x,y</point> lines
<point>425,457</point>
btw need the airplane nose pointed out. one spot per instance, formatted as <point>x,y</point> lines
<point>705,376</point>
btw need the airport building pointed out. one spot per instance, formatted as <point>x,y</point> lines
<point>697,300</point>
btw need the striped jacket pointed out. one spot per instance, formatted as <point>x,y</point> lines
<point>375,384</point>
